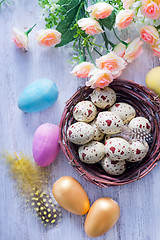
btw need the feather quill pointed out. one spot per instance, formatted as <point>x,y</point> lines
<point>32,184</point>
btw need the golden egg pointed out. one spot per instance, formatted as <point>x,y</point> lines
<point>102,215</point>
<point>69,193</point>
<point>153,80</point>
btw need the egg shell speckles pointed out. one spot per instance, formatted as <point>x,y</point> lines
<point>138,151</point>
<point>109,123</point>
<point>117,149</point>
<point>80,133</point>
<point>98,135</point>
<point>103,98</point>
<point>141,123</point>
<point>92,152</point>
<point>84,111</point>
<point>113,167</point>
<point>125,111</point>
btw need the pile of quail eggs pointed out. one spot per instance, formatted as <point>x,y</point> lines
<point>98,121</point>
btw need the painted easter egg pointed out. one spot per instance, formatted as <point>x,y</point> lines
<point>38,96</point>
<point>45,144</point>
<point>70,194</point>
<point>102,216</point>
<point>153,80</point>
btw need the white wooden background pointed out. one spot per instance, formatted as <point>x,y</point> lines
<point>139,201</point>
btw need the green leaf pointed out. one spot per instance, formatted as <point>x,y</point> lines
<point>68,20</point>
<point>65,26</point>
<point>67,5</point>
<point>62,2</point>
<point>109,21</point>
<point>67,37</point>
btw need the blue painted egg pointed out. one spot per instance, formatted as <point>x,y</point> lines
<point>38,96</point>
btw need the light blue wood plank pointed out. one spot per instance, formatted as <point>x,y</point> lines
<point>139,201</point>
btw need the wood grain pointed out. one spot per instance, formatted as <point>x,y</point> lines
<point>139,202</point>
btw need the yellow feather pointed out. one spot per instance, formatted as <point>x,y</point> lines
<point>32,183</point>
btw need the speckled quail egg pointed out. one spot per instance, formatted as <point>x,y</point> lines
<point>91,152</point>
<point>141,123</point>
<point>113,167</point>
<point>84,111</point>
<point>80,133</point>
<point>98,135</point>
<point>138,151</point>
<point>103,98</point>
<point>109,122</point>
<point>125,111</point>
<point>117,149</point>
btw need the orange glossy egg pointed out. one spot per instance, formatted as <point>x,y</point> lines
<point>101,217</point>
<point>70,194</point>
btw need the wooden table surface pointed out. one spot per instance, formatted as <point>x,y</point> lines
<point>139,201</point>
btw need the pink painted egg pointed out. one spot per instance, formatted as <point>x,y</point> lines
<point>45,144</point>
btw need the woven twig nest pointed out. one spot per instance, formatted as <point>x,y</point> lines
<point>146,104</point>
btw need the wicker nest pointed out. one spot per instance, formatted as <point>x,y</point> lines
<point>146,104</point>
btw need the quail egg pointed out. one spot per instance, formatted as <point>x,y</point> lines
<point>80,133</point>
<point>84,111</point>
<point>91,152</point>
<point>103,98</point>
<point>117,149</point>
<point>109,123</point>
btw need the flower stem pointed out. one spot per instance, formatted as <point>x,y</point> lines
<point>97,51</point>
<point>77,15</point>
<point>29,30</point>
<point>126,44</point>
<point>107,40</point>
<point>82,55</point>
<point>105,37</point>
<point>90,55</point>
<point>112,44</point>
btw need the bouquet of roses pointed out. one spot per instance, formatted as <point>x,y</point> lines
<point>77,22</point>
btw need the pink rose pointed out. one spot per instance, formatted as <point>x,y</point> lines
<point>150,9</point>
<point>20,39</point>
<point>120,49</point>
<point>100,10</point>
<point>90,26</point>
<point>48,37</point>
<point>133,50</point>
<point>124,18</point>
<point>149,34</point>
<point>101,79</point>
<point>156,48</point>
<point>111,62</point>
<point>128,3</point>
<point>83,70</point>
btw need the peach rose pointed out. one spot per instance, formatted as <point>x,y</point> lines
<point>128,3</point>
<point>111,62</point>
<point>150,9</point>
<point>124,18</point>
<point>48,37</point>
<point>156,48</point>
<point>133,50</point>
<point>149,34</point>
<point>120,49</point>
<point>100,10</point>
<point>20,39</point>
<point>101,79</point>
<point>83,70</point>
<point>90,26</point>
